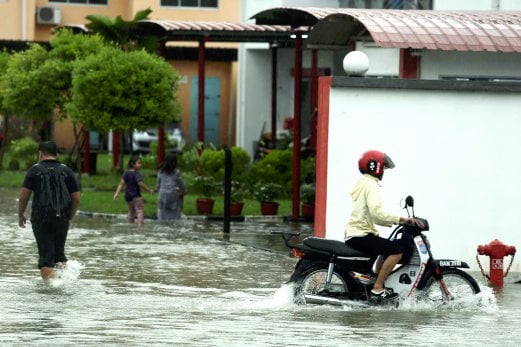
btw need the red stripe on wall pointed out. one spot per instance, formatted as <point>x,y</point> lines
<point>324,87</point>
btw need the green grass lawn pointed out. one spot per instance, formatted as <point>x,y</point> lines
<point>98,191</point>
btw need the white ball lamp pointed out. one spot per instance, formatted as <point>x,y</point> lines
<point>355,63</point>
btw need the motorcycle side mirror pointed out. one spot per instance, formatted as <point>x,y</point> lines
<point>409,201</point>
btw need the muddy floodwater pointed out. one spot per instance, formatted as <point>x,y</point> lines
<point>184,284</point>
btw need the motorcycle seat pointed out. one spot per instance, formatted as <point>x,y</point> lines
<point>333,246</point>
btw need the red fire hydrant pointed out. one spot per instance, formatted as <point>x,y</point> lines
<point>496,250</point>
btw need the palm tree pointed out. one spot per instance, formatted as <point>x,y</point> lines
<point>124,33</point>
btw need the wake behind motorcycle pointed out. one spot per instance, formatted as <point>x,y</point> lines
<point>330,272</point>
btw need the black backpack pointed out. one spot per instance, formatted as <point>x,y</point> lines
<point>54,194</point>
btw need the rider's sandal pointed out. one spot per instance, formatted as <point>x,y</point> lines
<point>384,294</point>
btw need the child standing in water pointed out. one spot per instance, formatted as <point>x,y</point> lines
<point>170,189</point>
<point>134,182</point>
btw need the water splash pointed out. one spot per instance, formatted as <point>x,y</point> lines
<point>68,274</point>
<point>282,298</point>
<point>483,301</point>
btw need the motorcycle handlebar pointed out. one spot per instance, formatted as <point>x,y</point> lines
<point>416,228</point>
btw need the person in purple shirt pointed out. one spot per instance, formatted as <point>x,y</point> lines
<point>133,181</point>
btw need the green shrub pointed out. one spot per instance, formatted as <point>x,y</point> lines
<point>190,160</point>
<point>267,192</point>
<point>204,186</point>
<point>241,164</point>
<point>237,194</point>
<point>276,167</point>
<point>212,163</point>
<point>307,193</point>
<point>23,150</point>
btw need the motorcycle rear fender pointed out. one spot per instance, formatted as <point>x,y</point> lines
<point>444,263</point>
<point>303,265</point>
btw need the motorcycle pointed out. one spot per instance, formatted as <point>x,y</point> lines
<point>330,272</point>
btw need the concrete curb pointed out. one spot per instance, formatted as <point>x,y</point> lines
<point>260,219</point>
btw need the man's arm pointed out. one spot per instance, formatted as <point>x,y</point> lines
<point>75,202</point>
<point>23,200</point>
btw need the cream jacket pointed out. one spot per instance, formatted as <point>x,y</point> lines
<point>367,209</point>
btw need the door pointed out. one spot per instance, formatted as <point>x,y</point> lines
<point>212,104</point>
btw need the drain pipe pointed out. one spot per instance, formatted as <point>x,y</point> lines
<point>24,20</point>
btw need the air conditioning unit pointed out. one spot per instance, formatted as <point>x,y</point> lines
<point>48,15</point>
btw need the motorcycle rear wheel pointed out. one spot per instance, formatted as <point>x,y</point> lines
<point>460,284</point>
<point>313,281</point>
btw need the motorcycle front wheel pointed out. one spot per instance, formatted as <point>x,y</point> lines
<point>313,281</point>
<point>460,285</point>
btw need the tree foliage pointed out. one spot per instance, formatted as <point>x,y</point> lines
<point>37,82</point>
<point>29,85</point>
<point>4,59</point>
<point>123,90</point>
<point>124,33</point>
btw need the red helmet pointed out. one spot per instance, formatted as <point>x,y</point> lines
<point>374,163</point>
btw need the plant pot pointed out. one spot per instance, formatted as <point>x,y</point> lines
<point>269,208</point>
<point>236,208</point>
<point>204,205</point>
<point>308,210</point>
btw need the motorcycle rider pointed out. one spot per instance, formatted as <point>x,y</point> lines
<point>361,233</point>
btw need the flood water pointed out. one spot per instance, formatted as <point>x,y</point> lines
<point>183,284</point>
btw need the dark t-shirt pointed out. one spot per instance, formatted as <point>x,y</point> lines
<point>132,179</point>
<point>32,180</point>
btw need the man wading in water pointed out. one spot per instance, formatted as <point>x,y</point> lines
<point>55,201</point>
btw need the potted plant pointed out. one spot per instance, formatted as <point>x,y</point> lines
<point>266,193</point>
<point>307,195</point>
<point>237,200</point>
<point>206,187</point>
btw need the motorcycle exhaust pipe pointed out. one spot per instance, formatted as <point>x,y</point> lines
<point>322,300</point>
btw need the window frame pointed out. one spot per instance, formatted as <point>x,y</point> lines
<point>68,2</point>
<point>180,6</point>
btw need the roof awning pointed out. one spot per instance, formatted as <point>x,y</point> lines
<point>173,30</point>
<point>495,31</point>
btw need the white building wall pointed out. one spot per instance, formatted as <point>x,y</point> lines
<point>254,77</point>
<point>476,5</point>
<point>510,5</point>
<point>254,101</point>
<point>382,61</point>
<point>466,64</point>
<point>254,105</point>
<point>455,152</point>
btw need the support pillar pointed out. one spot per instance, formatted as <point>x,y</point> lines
<point>200,99</point>
<point>295,210</point>
<point>409,65</point>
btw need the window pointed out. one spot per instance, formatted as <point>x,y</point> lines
<point>191,3</point>
<point>90,2</point>
<point>389,4</point>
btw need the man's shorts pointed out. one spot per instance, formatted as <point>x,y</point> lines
<point>50,233</point>
<point>374,245</point>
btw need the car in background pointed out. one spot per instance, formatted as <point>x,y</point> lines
<point>174,139</point>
